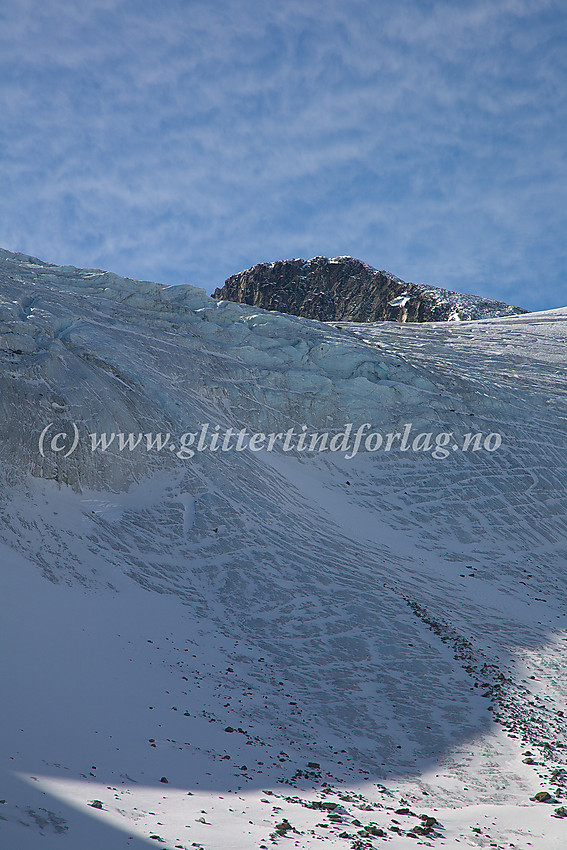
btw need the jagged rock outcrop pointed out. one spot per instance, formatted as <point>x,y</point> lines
<point>346,289</point>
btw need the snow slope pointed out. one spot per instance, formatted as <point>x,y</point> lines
<point>385,633</point>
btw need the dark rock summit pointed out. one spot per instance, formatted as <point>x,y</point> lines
<point>348,290</point>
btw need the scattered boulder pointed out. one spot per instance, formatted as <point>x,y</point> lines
<point>283,827</point>
<point>323,805</point>
<point>372,829</point>
<point>543,797</point>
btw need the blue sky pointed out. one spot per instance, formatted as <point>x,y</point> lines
<point>183,141</point>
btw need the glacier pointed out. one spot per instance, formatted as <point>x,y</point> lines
<point>271,631</point>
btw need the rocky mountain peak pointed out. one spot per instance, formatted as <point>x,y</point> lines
<point>347,289</point>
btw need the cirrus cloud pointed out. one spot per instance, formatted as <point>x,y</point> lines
<point>185,141</point>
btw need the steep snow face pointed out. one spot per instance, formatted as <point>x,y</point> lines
<point>360,614</point>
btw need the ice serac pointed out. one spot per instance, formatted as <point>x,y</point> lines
<point>117,355</point>
<point>346,289</point>
<point>288,627</point>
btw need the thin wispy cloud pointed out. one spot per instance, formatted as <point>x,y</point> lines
<point>185,141</point>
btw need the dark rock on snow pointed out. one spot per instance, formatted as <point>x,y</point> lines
<point>346,289</point>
